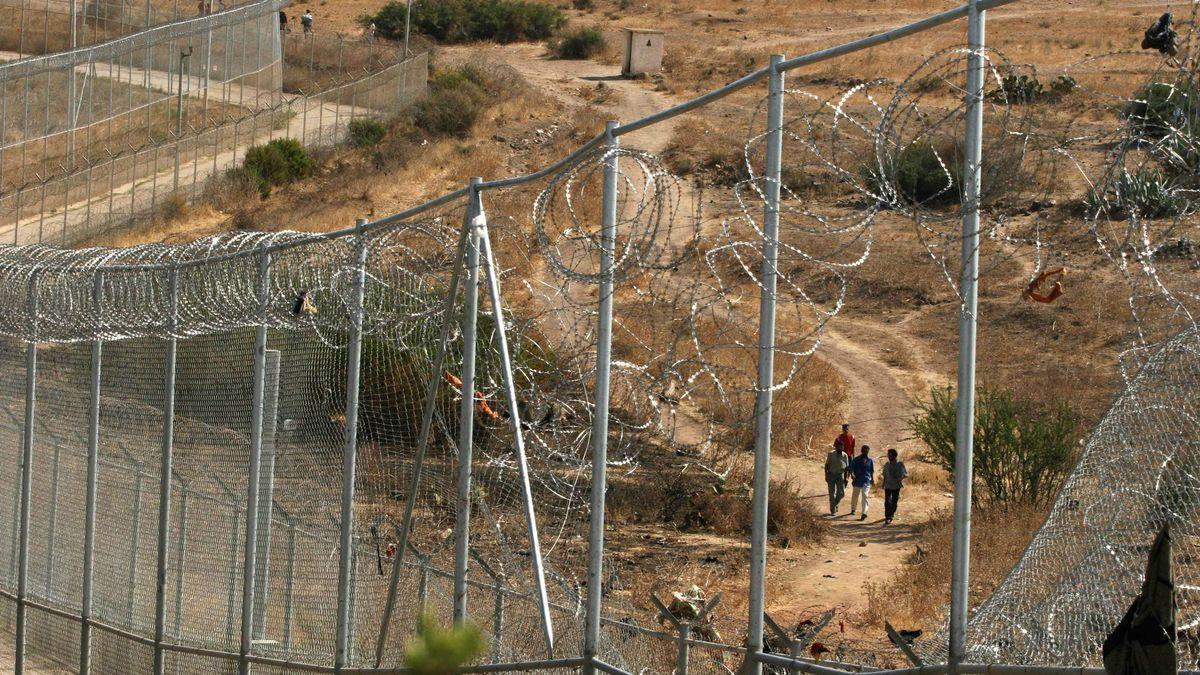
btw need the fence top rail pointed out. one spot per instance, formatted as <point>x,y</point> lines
<point>99,262</point>
<point>33,65</point>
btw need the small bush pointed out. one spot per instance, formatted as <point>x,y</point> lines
<point>921,175</point>
<point>1023,451</point>
<point>456,21</point>
<point>580,43</point>
<point>279,162</point>
<point>365,132</point>
<point>442,651</point>
<point>452,105</point>
<point>584,5</point>
<point>1161,109</point>
<point>1145,193</point>
<point>1018,89</point>
<point>702,502</point>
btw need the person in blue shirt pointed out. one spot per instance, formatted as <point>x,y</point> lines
<point>862,472</point>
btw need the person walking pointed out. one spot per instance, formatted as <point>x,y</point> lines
<point>283,27</point>
<point>847,441</point>
<point>306,20</point>
<point>836,466</point>
<point>894,473</point>
<point>862,470</point>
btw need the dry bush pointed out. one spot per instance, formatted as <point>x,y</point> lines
<point>808,408</point>
<point>693,501</point>
<point>917,597</point>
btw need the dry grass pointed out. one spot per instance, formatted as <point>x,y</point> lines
<point>693,501</point>
<point>918,595</point>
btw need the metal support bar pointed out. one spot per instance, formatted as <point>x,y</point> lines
<point>431,388</point>
<point>93,474</point>
<point>608,235</point>
<point>766,369</point>
<point>682,652</point>
<point>466,411</point>
<point>514,419</point>
<point>52,520</point>
<point>164,479</point>
<point>902,645</point>
<point>965,416</point>
<point>349,454</point>
<point>266,497</point>
<point>135,543</point>
<point>26,476</point>
<point>180,565</point>
<point>250,552</point>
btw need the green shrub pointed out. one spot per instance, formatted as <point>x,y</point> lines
<point>455,99</point>
<point>1145,193</point>
<point>454,21</point>
<point>584,5</point>
<point>442,651</point>
<point>1023,450</point>
<point>580,43</point>
<point>920,174</point>
<point>1018,89</point>
<point>1161,109</point>
<point>279,162</point>
<point>364,132</point>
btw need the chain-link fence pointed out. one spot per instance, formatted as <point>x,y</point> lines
<point>150,117</point>
<point>282,449</point>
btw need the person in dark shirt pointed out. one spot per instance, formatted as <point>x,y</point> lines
<point>862,470</point>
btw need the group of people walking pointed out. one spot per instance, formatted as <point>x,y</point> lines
<point>306,21</point>
<point>843,466</point>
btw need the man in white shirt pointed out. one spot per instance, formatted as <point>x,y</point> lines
<point>836,465</point>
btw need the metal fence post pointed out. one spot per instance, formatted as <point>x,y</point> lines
<point>290,592</point>
<point>93,473</point>
<point>164,478</point>
<point>52,524</point>
<point>965,419</point>
<point>466,410</point>
<point>134,543</point>
<point>26,475</point>
<point>250,554</point>
<point>183,55</point>
<point>682,653</point>
<point>353,362</point>
<point>180,562</point>
<point>766,370</point>
<point>595,594</point>
<point>266,497</point>
<point>431,389</point>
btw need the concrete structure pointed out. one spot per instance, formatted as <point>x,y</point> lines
<point>643,51</point>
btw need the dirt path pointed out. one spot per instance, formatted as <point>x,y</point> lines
<point>877,408</point>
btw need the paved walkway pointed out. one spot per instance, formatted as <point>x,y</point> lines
<point>310,118</point>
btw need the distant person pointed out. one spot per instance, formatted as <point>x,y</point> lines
<point>836,466</point>
<point>862,470</point>
<point>283,27</point>
<point>894,473</point>
<point>371,32</point>
<point>306,20</point>
<point>847,440</point>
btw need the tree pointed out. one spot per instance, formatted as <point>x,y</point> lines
<point>1023,451</point>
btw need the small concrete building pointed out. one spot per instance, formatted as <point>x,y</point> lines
<point>643,51</point>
